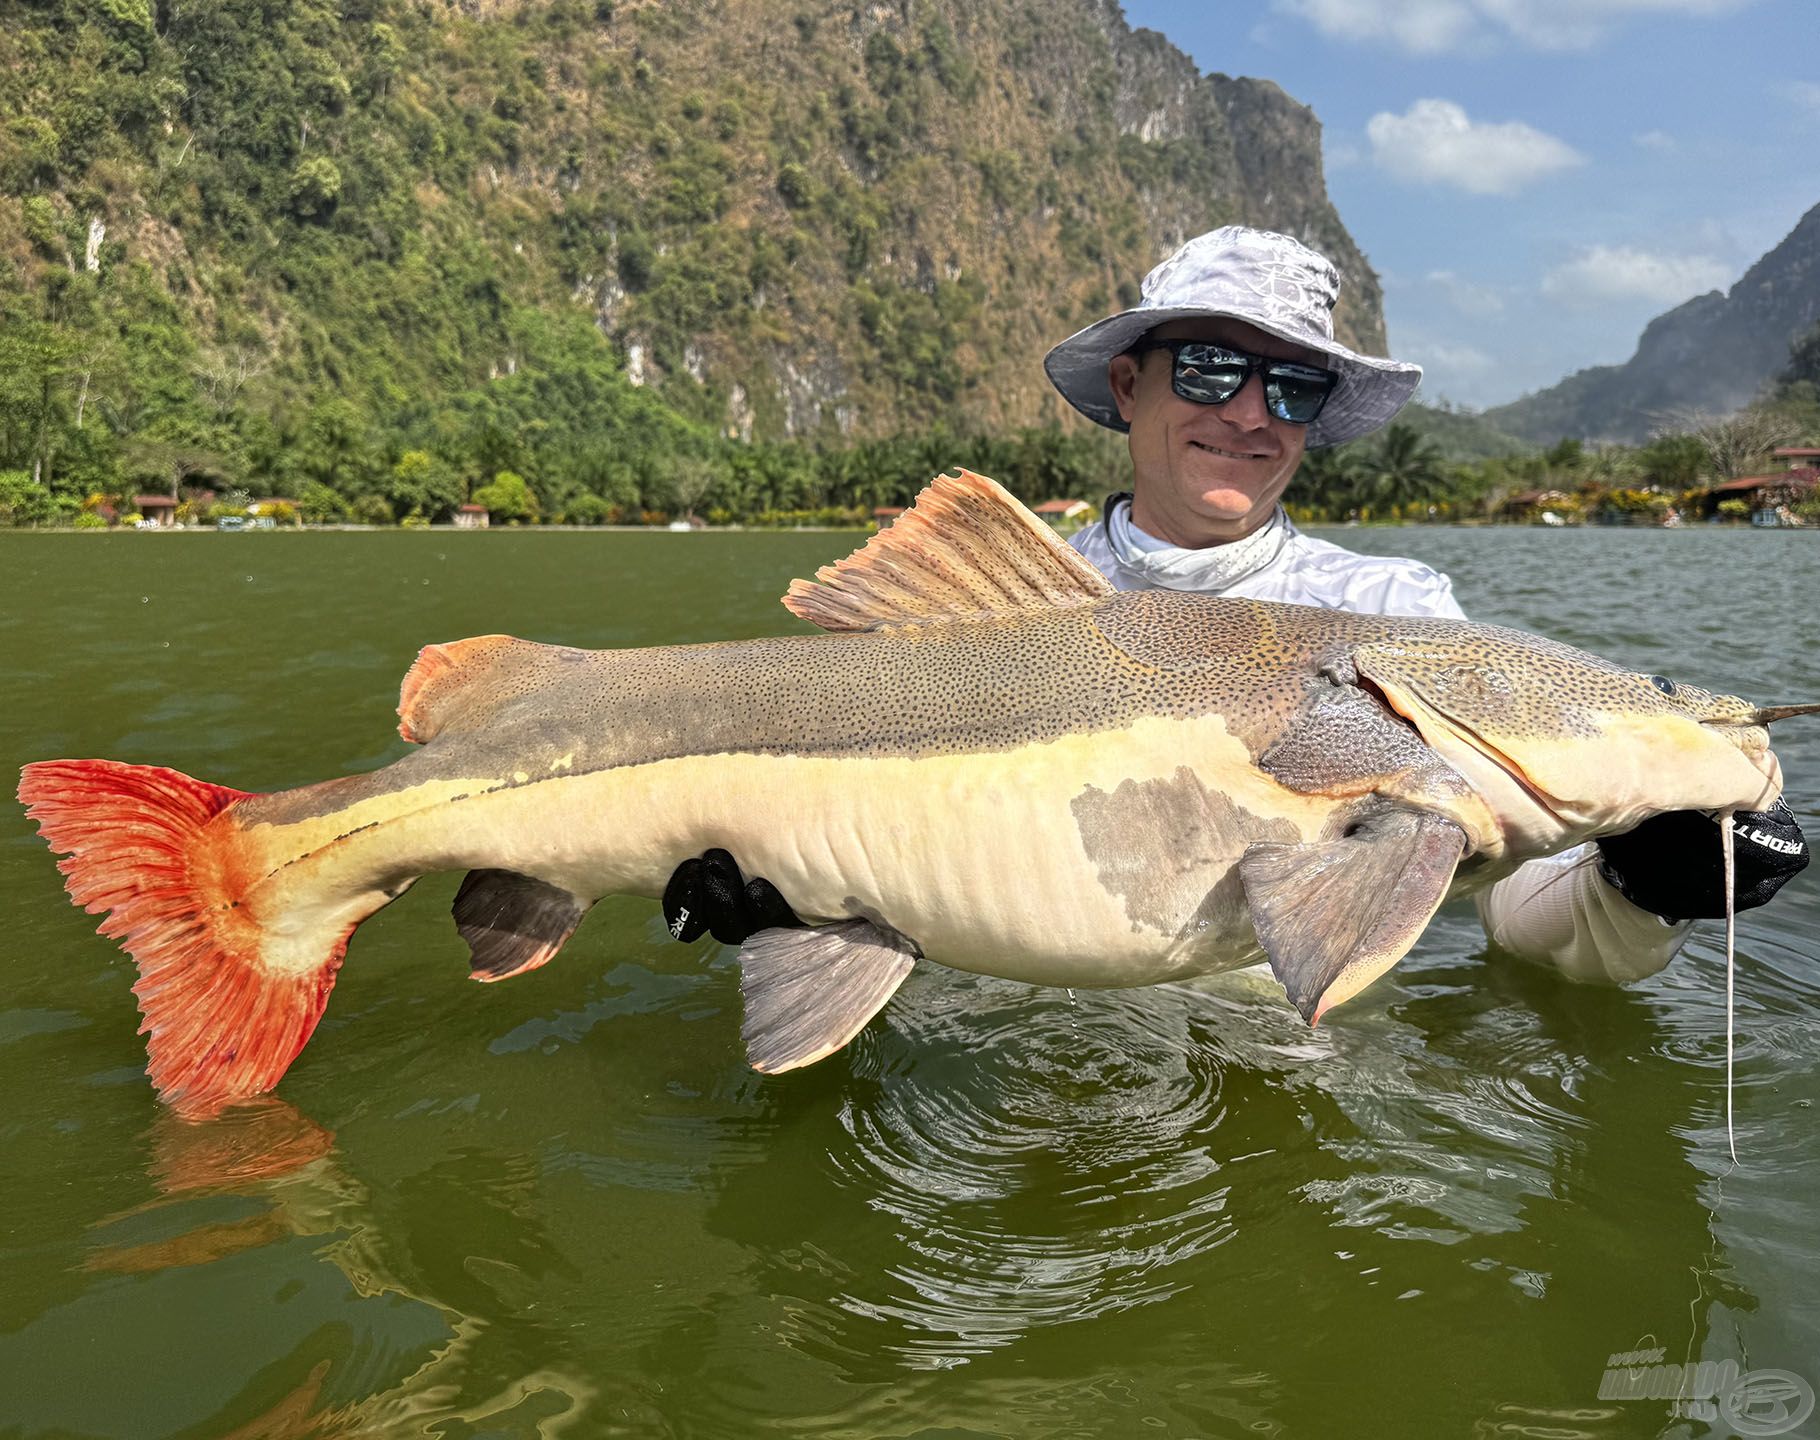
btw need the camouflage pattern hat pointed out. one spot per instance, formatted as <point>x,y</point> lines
<point>1272,281</point>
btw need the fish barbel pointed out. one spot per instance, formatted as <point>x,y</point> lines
<point>990,759</point>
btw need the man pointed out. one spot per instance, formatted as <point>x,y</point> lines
<point>1222,375</point>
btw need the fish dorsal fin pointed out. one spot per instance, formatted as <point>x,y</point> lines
<point>463,678</point>
<point>965,549</point>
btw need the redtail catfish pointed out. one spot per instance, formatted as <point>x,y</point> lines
<point>990,759</point>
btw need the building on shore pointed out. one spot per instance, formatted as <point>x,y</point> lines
<point>1771,498</point>
<point>1065,512</point>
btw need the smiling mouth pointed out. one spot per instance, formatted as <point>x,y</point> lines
<point>1229,454</point>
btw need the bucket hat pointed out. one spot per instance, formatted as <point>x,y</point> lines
<point>1272,281</point>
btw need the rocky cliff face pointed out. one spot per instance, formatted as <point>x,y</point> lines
<point>1707,357</point>
<point>967,183</point>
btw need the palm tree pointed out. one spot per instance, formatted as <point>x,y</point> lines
<point>1404,469</point>
<point>1329,480</point>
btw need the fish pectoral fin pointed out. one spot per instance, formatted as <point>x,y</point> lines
<point>1335,915</point>
<point>513,923</point>
<point>808,992</point>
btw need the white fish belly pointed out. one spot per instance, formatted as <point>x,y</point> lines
<point>1087,861</point>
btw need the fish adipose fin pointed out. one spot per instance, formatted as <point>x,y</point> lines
<point>808,992</point>
<point>1335,915</point>
<point>465,679</point>
<point>966,549</point>
<point>513,923</point>
<point>229,997</point>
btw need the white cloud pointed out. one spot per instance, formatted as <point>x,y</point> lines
<point>1422,27</point>
<point>1452,370</point>
<point>1441,360</point>
<point>1435,143</point>
<point>1656,140</point>
<point>1620,273</point>
<point>1804,93</point>
<point>1433,27</point>
<point>1477,301</point>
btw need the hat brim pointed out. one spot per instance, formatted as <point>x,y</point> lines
<point>1370,392</point>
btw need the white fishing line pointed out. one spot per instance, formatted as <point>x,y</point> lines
<point>1725,829</point>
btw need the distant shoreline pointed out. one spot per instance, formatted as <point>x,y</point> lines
<point>446,530</point>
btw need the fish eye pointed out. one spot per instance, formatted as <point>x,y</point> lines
<point>1664,684</point>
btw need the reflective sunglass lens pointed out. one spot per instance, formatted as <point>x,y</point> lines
<point>1295,400</point>
<point>1295,393</point>
<point>1211,386</point>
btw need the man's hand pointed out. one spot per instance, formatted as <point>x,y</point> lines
<point>711,895</point>
<point>1672,865</point>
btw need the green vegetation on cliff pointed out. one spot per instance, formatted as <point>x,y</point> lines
<point>376,254</point>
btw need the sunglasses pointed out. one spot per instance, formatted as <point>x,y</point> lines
<point>1211,374</point>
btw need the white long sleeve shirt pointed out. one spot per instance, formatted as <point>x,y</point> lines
<point>1557,910</point>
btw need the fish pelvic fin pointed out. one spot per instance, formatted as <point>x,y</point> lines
<point>965,550</point>
<point>1335,915</point>
<point>227,1001</point>
<point>808,992</point>
<point>465,679</point>
<point>513,923</point>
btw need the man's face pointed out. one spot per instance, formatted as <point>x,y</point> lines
<point>1206,474</point>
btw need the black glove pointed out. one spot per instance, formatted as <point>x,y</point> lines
<point>710,894</point>
<point>1672,865</point>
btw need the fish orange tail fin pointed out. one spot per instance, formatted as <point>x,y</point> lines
<point>227,1002</point>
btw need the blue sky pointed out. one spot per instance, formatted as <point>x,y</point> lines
<point>1534,180</point>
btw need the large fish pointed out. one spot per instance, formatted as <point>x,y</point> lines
<point>994,761</point>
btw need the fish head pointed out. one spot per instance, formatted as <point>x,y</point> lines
<point>1562,745</point>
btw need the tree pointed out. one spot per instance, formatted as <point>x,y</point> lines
<point>23,501</point>
<point>1612,465</point>
<point>422,483</point>
<point>315,187</point>
<point>320,505</point>
<point>1741,443</point>
<point>586,508</point>
<point>687,482</point>
<point>35,358</point>
<point>1330,480</point>
<point>339,447</point>
<point>177,449</point>
<point>370,510</point>
<point>1565,455</point>
<point>1404,468</point>
<point>1672,461</point>
<point>508,498</point>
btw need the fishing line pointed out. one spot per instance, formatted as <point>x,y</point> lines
<point>1725,829</point>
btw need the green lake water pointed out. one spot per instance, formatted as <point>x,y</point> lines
<point>563,1205</point>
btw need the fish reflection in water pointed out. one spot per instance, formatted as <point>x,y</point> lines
<point>269,1153</point>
